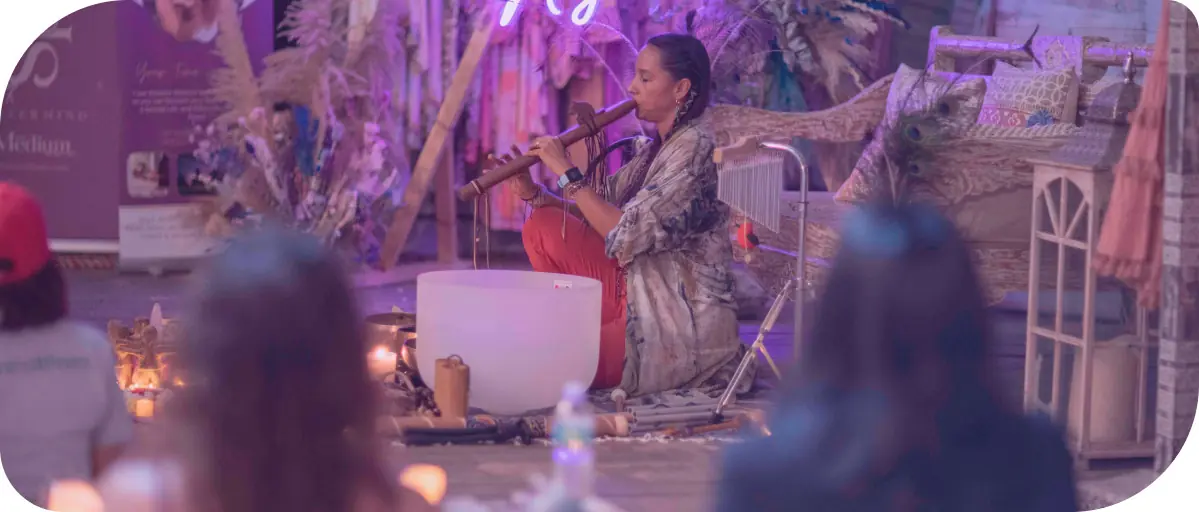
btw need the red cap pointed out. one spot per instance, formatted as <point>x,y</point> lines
<point>24,247</point>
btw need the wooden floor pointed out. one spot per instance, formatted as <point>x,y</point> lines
<point>633,475</point>
<point>636,475</point>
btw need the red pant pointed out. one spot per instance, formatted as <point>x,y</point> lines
<point>582,254</point>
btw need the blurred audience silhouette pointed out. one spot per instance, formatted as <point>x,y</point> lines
<point>62,415</point>
<point>893,406</point>
<point>278,411</point>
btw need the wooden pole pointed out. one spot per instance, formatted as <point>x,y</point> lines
<point>443,188</point>
<point>446,204</point>
<point>430,155</point>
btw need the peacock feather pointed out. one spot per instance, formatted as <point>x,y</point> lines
<point>914,138</point>
<point>925,125</point>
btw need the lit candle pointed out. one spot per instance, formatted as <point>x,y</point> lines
<point>141,401</point>
<point>73,496</point>
<point>427,480</point>
<point>381,362</point>
<point>143,408</point>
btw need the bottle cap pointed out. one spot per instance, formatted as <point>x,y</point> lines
<point>574,391</point>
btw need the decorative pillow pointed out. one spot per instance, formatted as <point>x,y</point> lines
<point>907,95</point>
<point>1020,97</point>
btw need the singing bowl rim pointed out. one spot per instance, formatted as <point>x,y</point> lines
<point>402,321</point>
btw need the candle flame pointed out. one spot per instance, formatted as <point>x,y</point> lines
<point>381,353</point>
<point>74,496</point>
<point>427,480</point>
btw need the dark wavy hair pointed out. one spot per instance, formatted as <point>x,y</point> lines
<point>39,300</point>
<point>282,410</point>
<point>899,352</point>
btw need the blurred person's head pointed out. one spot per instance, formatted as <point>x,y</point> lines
<point>32,288</point>
<point>900,339</point>
<point>893,407</point>
<point>902,306</point>
<point>280,401</point>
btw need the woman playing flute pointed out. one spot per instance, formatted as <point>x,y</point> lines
<point>655,235</point>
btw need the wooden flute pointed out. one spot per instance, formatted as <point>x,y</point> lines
<point>494,177</point>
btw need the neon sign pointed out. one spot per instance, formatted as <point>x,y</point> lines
<point>581,15</point>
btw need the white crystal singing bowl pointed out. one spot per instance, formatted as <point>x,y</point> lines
<point>522,338</point>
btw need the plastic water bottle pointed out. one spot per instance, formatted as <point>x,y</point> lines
<point>574,436</point>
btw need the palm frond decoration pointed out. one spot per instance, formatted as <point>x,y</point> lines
<point>235,85</point>
<point>723,31</point>
<point>818,40</point>
<point>315,136</point>
<point>740,40</point>
<point>293,73</point>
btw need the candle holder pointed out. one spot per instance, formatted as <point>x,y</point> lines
<point>396,331</point>
<point>143,351</point>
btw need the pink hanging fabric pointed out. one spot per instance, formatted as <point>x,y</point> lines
<point>1130,244</point>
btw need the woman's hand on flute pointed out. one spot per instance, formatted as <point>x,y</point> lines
<point>552,153</point>
<point>522,182</point>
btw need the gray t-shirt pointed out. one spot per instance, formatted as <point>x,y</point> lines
<point>59,399</point>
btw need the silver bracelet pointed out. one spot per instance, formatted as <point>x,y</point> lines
<point>569,191</point>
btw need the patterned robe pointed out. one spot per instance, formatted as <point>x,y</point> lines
<point>673,243</point>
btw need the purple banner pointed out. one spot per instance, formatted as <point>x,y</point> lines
<point>99,110</point>
<point>60,124</point>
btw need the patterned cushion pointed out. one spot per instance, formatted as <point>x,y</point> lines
<point>906,96</point>
<point>1019,97</point>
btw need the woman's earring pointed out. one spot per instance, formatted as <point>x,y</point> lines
<point>682,107</point>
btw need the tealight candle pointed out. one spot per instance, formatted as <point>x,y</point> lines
<point>381,362</point>
<point>143,408</point>
<point>73,496</point>
<point>141,401</point>
<point>427,480</point>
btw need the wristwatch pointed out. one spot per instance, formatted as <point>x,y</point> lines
<point>571,175</point>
